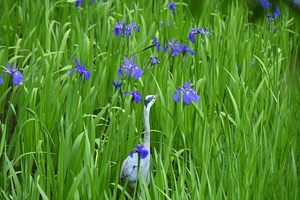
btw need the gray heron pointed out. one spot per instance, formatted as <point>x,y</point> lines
<point>129,169</point>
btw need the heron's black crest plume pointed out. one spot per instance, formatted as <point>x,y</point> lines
<point>148,100</point>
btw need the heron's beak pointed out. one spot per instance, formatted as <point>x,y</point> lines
<point>157,95</point>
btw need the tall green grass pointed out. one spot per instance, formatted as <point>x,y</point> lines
<point>63,137</point>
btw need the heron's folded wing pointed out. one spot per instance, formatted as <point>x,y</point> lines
<point>129,168</point>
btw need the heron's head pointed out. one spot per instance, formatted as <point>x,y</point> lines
<point>150,99</point>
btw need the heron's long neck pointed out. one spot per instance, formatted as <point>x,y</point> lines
<point>146,128</point>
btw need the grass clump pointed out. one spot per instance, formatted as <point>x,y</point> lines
<point>65,137</point>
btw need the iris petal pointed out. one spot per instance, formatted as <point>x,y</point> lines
<point>191,51</point>
<point>120,72</point>
<point>87,75</point>
<point>128,30</point>
<point>127,61</point>
<point>1,80</point>
<point>195,96</point>
<point>137,96</point>
<point>117,84</point>
<point>186,97</point>
<point>166,48</point>
<point>17,78</point>
<point>137,72</point>
<point>144,153</point>
<point>117,31</point>
<point>176,96</point>
<point>8,66</point>
<point>276,13</point>
<point>71,72</point>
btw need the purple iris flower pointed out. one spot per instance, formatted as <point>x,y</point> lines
<point>78,3</point>
<point>195,31</point>
<point>203,31</point>
<point>276,14</point>
<point>119,28</point>
<point>81,69</point>
<point>154,60</point>
<point>130,27</point>
<point>251,63</point>
<point>189,94</point>
<point>265,4</point>
<point>156,42</point>
<point>134,26</point>
<point>136,72</point>
<point>172,6</point>
<point>136,95</point>
<point>128,30</point>
<point>174,47</point>
<point>17,76</point>
<point>185,48</point>
<point>117,84</point>
<point>140,150</point>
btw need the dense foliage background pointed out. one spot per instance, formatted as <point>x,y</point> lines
<point>65,137</point>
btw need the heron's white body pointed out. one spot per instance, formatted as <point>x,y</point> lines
<point>129,169</point>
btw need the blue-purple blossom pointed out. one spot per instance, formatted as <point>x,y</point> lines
<point>276,14</point>
<point>185,48</point>
<point>268,6</point>
<point>156,42</point>
<point>135,27</point>
<point>81,69</point>
<point>251,63</point>
<point>189,94</point>
<point>154,60</point>
<point>117,84</point>
<point>128,30</point>
<point>130,27</point>
<point>195,31</point>
<point>119,28</point>
<point>136,95</point>
<point>265,4</point>
<point>203,31</point>
<point>78,3</point>
<point>140,150</point>
<point>172,6</point>
<point>174,47</point>
<point>130,68</point>
<point>17,76</point>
